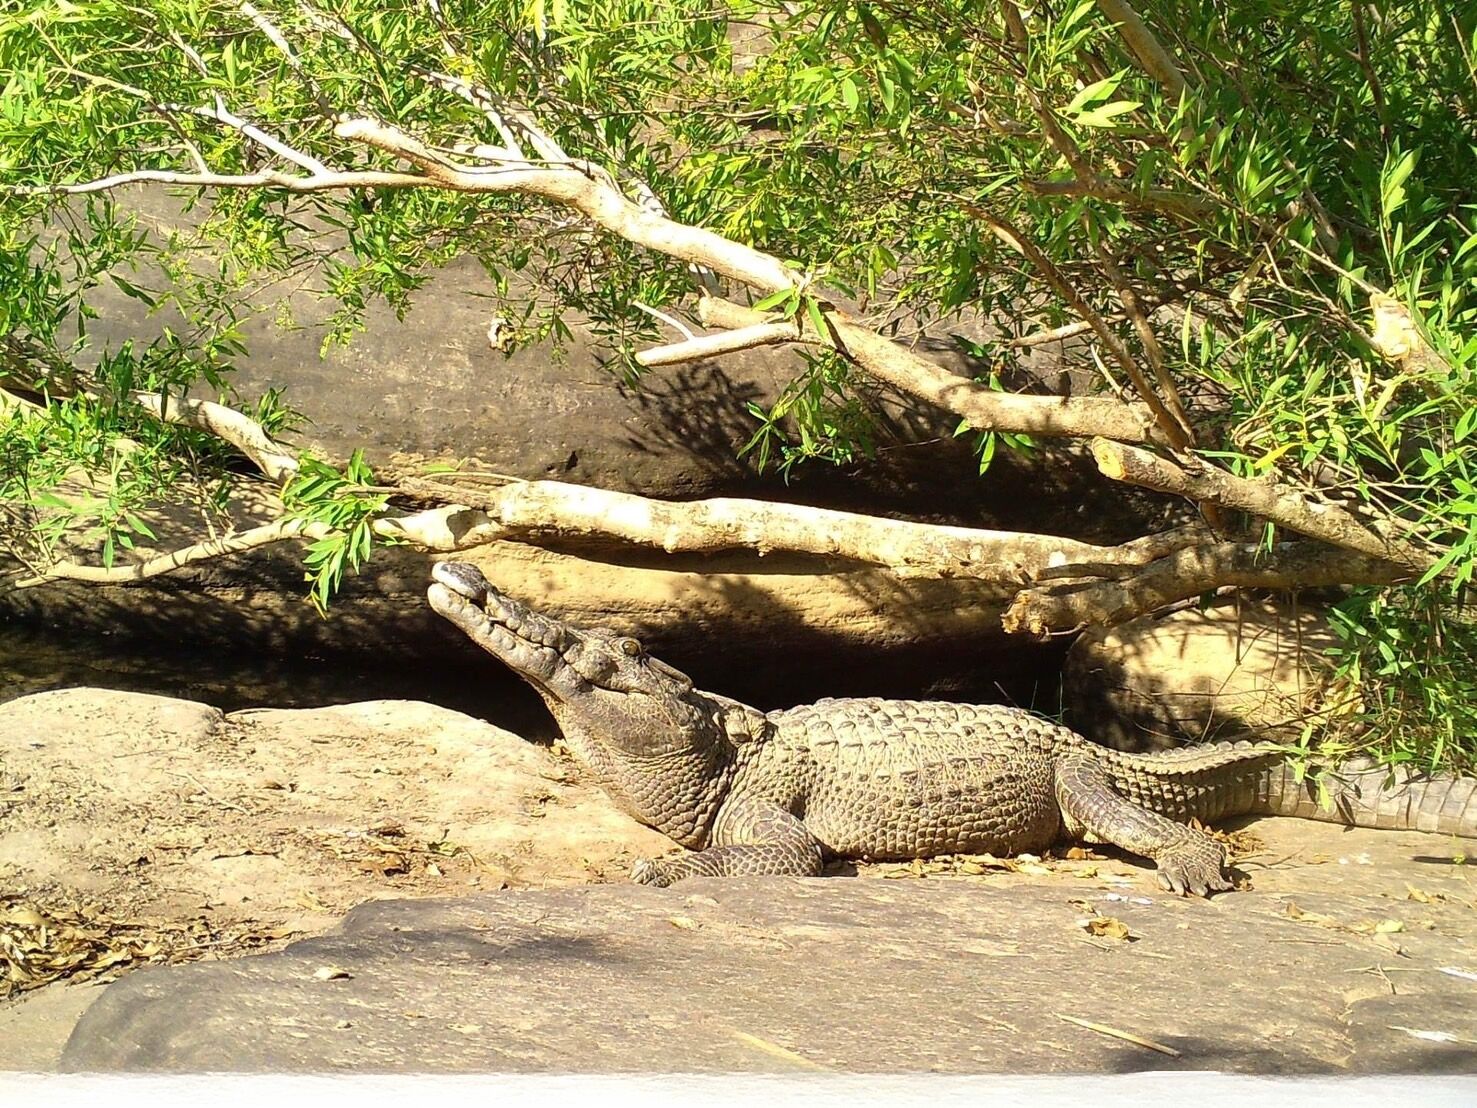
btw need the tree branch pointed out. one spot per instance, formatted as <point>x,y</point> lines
<point>1061,608</point>
<point>241,431</point>
<point>1284,506</point>
<point>277,531</point>
<point>1175,432</point>
<point>533,510</point>
<point>725,342</point>
<point>984,409</point>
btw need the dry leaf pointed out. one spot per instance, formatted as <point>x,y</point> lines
<point>1294,912</point>
<point>24,915</point>
<point>686,923</point>
<point>1388,926</point>
<point>1105,927</point>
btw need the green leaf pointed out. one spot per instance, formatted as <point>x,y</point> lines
<point>817,317</point>
<point>1107,114</point>
<point>1096,92</point>
<point>849,94</point>
<point>1392,181</point>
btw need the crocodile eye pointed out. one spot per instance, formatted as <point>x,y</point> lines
<point>631,648</point>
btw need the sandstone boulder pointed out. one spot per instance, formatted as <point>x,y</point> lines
<point>1234,670</point>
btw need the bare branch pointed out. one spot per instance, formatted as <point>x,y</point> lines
<point>533,510</point>
<point>319,182</point>
<point>221,114</point>
<point>1147,339</point>
<point>1284,506</point>
<point>1154,59</point>
<point>1191,572</point>
<point>1056,334</point>
<point>594,193</point>
<point>268,533</point>
<point>241,431</point>
<point>1174,431</point>
<point>670,320</point>
<point>484,102</point>
<point>985,409</point>
<point>725,342</point>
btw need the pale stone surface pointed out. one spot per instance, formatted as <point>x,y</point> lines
<point>1228,672</point>
<point>159,813</point>
<point>791,975</point>
<point>154,809</point>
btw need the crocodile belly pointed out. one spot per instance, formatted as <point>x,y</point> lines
<point>933,810</point>
<point>899,779</point>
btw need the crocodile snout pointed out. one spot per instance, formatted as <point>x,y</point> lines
<point>462,578</point>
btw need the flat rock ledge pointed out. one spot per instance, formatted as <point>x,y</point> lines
<point>793,975</point>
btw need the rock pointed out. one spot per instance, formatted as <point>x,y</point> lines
<point>34,1029</point>
<point>1231,671</point>
<point>429,386</point>
<point>271,822</point>
<point>788,975</point>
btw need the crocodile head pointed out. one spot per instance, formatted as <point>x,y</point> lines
<point>659,746</point>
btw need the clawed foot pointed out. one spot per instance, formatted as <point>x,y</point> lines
<point>1197,866</point>
<point>650,871</point>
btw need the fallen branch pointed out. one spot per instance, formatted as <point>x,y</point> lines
<point>1287,507</point>
<point>534,510</point>
<point>1190,572</point>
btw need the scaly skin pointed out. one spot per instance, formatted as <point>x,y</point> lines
<point>751,792</point>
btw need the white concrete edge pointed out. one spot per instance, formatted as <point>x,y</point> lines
<point>1136,1090</point>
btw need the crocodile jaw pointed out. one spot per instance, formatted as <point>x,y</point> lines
<point>525,641</point>
<point>594,681</point>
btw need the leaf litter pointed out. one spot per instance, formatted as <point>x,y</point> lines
<point>56,938</point>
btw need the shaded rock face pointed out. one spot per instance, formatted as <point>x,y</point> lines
<point>788,975</point>
<point>431,386</point>
<point>1253,669</point>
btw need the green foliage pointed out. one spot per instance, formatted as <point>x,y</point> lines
<point>1301,219</point>
<point>1414,661</point>
<point>344,502</point>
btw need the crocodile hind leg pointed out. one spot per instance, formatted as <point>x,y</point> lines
<point>750,838</point>
<point>1189,861</point>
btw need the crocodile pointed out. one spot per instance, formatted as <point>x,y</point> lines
<point>749,792</point>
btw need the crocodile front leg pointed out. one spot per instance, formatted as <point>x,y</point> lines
<point>750,838</point>
<point>1189,861</point>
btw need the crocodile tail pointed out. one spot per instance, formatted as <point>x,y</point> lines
<point>1364,795</point>
<point>1231,779</point>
